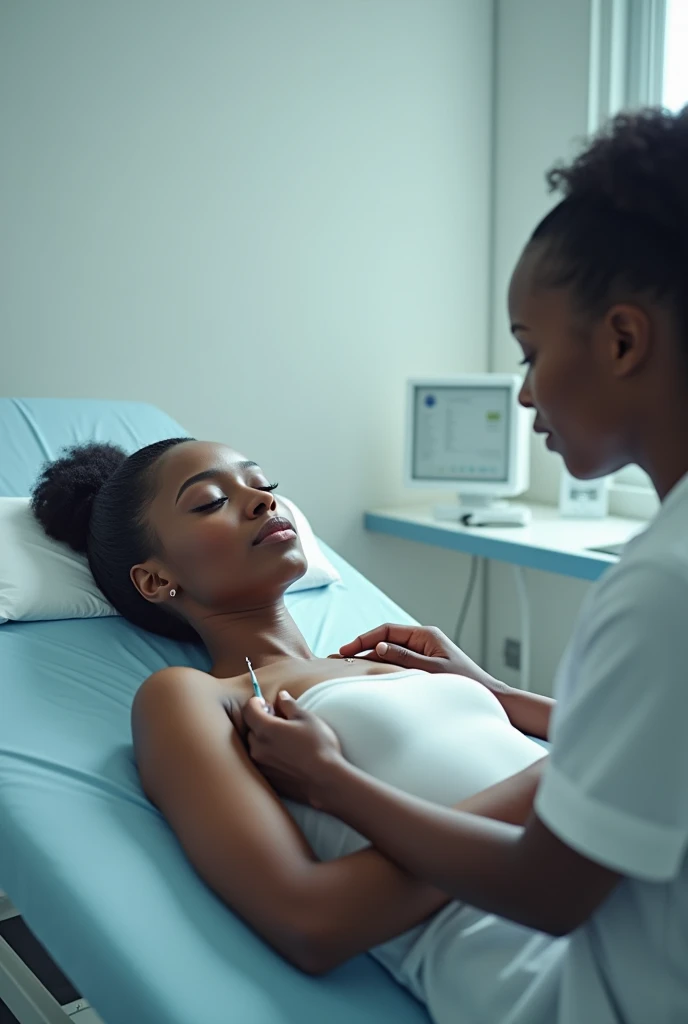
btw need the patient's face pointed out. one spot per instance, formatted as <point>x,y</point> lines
<point>209,508</point>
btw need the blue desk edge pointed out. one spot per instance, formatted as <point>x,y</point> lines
<point>581,566</point>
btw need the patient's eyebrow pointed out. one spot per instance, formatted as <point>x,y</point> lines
<point>209,474</point>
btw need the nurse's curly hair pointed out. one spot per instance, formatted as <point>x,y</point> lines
<point>622,227</point>
<point>94,498</point>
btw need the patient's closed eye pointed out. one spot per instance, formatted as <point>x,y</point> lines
<point>217,503</point>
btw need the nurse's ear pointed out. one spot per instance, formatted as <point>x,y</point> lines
<point>628,334</point>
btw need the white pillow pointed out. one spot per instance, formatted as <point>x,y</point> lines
<point>41,578</point>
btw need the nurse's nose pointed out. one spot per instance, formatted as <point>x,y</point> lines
<point>525,396</point>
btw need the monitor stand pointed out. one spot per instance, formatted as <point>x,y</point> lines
<point>477,510</point>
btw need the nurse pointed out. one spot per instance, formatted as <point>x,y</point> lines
<point>598,303</point>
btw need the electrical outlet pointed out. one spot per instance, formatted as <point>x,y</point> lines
<point>512,653</point>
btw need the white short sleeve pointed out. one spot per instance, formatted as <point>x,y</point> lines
<point>616,788</point>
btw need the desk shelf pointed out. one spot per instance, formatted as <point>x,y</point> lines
<point>550,543</point>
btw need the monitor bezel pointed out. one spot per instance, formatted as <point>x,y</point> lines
<point>518,440</point>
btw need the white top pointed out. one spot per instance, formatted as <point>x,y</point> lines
<point>616,788</point>
<point>442,738</point>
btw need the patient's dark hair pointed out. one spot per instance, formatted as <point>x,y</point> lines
<point>94,498</point>
<point>622,227</point>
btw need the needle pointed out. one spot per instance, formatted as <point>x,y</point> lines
<point>254,681</point>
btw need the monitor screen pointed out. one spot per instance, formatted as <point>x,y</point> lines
<point>461,433</point>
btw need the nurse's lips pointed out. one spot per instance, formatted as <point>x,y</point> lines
<point>549,437</point>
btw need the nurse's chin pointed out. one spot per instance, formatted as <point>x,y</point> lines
<point>580,467</point>
<point>583,471</point>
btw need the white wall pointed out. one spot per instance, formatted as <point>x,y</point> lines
<point>261,216</point>
<point>541,106</point>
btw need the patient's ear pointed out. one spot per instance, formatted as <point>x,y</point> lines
<point>150,583</point>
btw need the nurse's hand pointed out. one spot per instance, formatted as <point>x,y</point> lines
<point>427,648</point>
<point>422,647</point>
<point>293,748</point>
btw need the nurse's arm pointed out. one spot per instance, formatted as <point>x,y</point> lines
<point>528,712</point>
<point>525,874</point>
<point>510,800</point>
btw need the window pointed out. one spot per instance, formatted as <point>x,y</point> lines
<point>675,71</point>
<point>638,58</point>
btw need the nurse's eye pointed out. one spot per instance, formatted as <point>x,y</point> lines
<point>211,505</point>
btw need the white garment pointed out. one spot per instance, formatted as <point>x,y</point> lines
<point>616,788</point>
<point>442,738</point>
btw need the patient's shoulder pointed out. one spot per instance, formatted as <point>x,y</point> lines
<point>171,685</point>
<point>175,675</point>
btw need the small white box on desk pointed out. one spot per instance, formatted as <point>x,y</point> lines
<point>583,499</point>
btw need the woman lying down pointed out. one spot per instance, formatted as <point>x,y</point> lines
<point>188,540</point>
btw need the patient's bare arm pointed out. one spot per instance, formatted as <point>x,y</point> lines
<point>245,845</point>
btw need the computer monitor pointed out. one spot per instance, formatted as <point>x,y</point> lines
<point>470,435</point>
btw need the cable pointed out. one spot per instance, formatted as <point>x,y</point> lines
<point>461,621</point>
<point>524,607</point>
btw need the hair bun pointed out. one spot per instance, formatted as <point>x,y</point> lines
<point>636,164</point>
<point>63,496</point>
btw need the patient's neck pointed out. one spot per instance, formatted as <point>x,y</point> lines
<point>265,635</point>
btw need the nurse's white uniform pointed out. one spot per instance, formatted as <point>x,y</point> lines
<point>616,789</point>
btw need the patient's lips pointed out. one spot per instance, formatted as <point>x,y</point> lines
<point>276,530</point>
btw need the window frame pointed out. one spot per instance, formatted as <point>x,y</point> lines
<point>627,47</point>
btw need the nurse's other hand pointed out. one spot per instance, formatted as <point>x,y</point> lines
<point>292,748</point>
<point>422,647</point>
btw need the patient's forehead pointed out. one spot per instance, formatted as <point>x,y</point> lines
<point>183,460</point>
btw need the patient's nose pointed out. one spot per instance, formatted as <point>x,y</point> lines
<point>260,502</point>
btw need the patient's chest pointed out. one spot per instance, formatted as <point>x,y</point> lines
<point>439,737</point>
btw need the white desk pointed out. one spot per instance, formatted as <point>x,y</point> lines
<point>550,543</point>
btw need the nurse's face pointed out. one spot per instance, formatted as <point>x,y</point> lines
<point>569,381</point>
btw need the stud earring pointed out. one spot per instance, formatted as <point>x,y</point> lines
<point>173,592</point>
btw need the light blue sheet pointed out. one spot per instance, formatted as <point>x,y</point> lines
<point>92,866</point>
